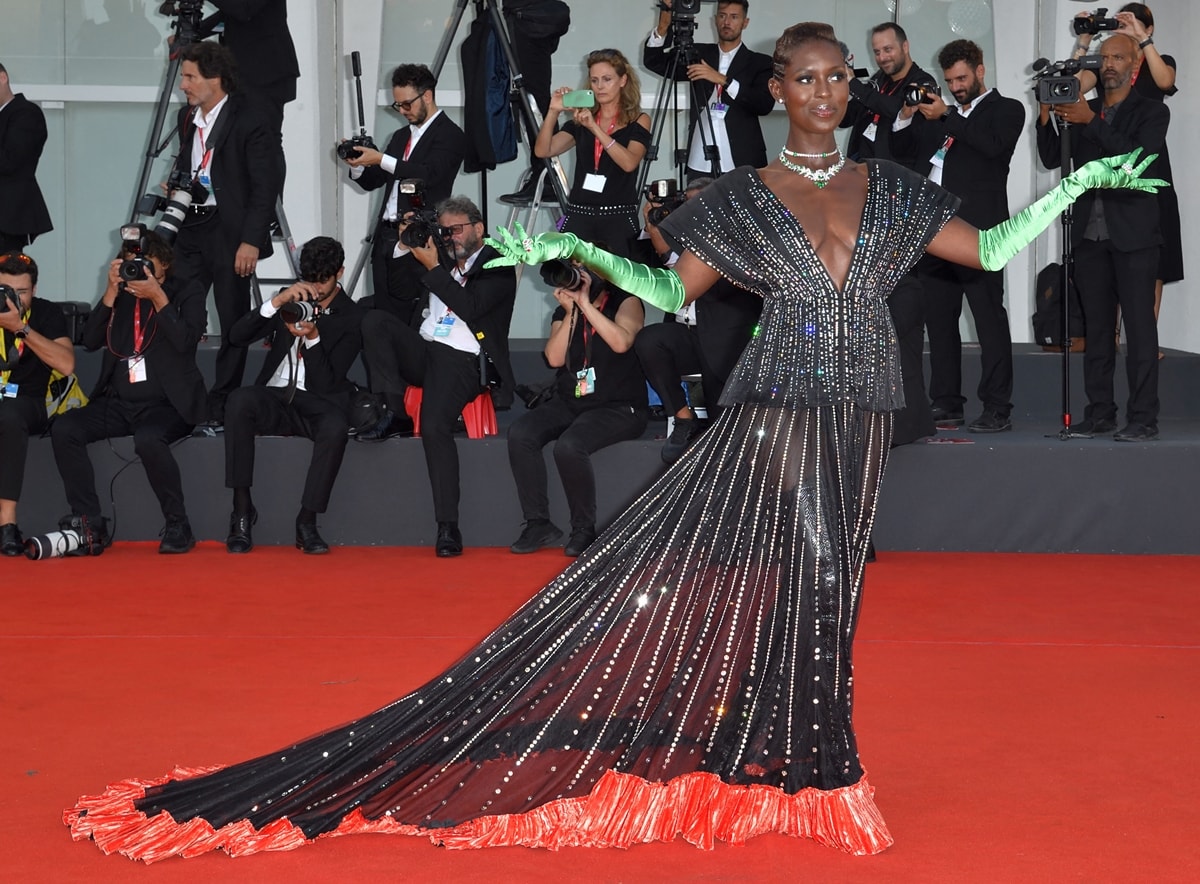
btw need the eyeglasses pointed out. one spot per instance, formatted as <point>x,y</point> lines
<point>456,229</point>
<point>405,106</point>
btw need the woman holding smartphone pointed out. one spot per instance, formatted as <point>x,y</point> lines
<point>610,140</point>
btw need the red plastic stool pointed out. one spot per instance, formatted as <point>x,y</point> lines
<point>479,415</point>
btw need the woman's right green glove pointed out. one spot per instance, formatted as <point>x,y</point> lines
<point>655,285</point>
<point>997,245</point>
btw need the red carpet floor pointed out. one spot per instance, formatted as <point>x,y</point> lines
<point>1023,718</point>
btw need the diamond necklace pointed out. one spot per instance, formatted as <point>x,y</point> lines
<point>819,177</point>
<point>811,156</point>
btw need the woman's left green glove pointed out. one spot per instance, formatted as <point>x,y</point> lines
<point>655,285</point>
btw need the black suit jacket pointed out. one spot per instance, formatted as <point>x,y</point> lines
<point>171,350</point>
<point>1131,216</point>
<point>485,304</point>
<point>879,101</point>
<point>326,363</point>
<point>976,165</point>
<point>752,70</point>
<point>22,136</point>
<point>256,32</point>
<point>435,159</point>
<point>247,166</point>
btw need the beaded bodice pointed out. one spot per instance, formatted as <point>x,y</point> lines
<point>815,344</point>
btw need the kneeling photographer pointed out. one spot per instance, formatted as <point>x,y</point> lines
<point>33,342</point>
<point>149,321</point>
<point>454,348</point>
<point>599,399</point>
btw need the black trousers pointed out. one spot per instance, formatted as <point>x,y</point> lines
<point>395,355</point>
<point>945,284</point>
<point>907,309</point>
<point>669,350</point>
<point>14,242</point>
<point>1105,278</point>
<point>265,411</point>
<point>396,282</point>
<point>20,417</point>
<point>578,432</point>
<point>153,425</point>
<point>203,251</point>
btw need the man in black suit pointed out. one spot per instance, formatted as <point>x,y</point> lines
<point>149,387</point>
<point>966,149</point>
<point>23,212</point>
<point>706,337</point>
<point>302,389</point>
<point>1116,238</point>
<point>227,145</point>
<point>458,338</point>
<point>729,91</point>
<point>430,148</point>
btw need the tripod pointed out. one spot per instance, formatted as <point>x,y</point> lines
<point>683,55</point>
<point>1067,221</point>
<point>523,104</point>
<point>186,32</point>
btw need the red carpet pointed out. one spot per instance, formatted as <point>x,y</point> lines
<point>1023,718</point>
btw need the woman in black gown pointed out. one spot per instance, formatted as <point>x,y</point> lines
<point>690,673</point>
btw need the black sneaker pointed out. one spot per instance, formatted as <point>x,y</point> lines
<point>536,534</point>
<point>683,434</point>
<point>581,539</point>
<point>1136,433</point>
<point>1100,426</point>
<point>990,422</point>
<point>176,538</point>
<point>946,417</point>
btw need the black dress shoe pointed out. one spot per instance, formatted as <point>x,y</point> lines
<point>449,540</point>
<point>240,539</point>
<point>990,422</point>
<point>536,534</point>
<point>309,541</point>
<point>580,539</point>
<point>683,433</point>
<point>947,417</point>
<point>176,538</point>
<point>1100,426</point>
<point>11,541</point>
<point>1132,432</point>
<point>390,426</point>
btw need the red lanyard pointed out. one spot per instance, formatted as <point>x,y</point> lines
<point>599,148</point>
<point>894,84</point>
<point>138,332</point>
<point>587,329</point>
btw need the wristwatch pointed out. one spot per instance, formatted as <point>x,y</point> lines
<point>22,331</point>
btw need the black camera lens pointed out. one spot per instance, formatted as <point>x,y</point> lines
<point>133,269</point>
<point>561,275</point>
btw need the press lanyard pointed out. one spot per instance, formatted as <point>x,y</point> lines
<point>139,342</point>
<point>587,329</point>
<point>894,84</point>
<point>599,148</point>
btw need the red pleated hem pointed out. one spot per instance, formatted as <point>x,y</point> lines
<point>620,811</point>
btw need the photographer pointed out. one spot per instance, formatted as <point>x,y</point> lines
<point>149,387</point>
<point>599,399</point>
<point>229,155</point>
<point>730,87</point>
<point>457,339</point>
<point>705,337</point>
<point>314,331</point>
<point>430,148</point>
<point>1117,238</point>
<point>33,342</point>
<point>23,212</point>
<point>966,149</point>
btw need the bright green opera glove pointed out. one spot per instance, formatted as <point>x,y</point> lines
<point>997,245</point>
<point>655,285</point>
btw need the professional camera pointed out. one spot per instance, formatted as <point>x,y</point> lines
<point>348,149</point>
<point>920,93</point>
<point>77,535</point>
<point>182,194</point>
<point>8,295</point>
<point>561,274</point>
<point>1095,23</point>
<point>303,310</point>
<point>187,14</point>
<point>1057,83</point>
<point>137,265</point>
<point>664,198</point>
<point>421,223</point>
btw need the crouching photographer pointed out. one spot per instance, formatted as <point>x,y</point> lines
<point>314,329</point>
<point>33,342</point>
<point>149,322</point>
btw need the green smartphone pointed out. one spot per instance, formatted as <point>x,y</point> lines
<point>579,98</point>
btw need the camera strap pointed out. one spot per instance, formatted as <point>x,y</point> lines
<point>139,343</point>
<point>7,366</point>
<point>586,330</point>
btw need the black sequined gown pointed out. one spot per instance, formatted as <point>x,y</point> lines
<point>690,674</point>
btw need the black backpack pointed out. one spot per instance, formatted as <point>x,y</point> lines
<point>1048,311</point>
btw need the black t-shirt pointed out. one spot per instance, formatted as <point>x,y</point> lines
<point>620,187</point>
<point>619,377</point>
<point>30,374</point>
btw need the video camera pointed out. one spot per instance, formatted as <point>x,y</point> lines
<point>664,198</point>
<point>421,223</point>
<point>1057,83</point>
<point>1095,23</point>
<point>683,26</point>
<point>920,93</point>
<point>348,149</point>
<point>188,15</point>
<point>182,193</point>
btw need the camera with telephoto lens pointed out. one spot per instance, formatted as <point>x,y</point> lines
<point>76,536</point>
<point>1095,23</point>
<point>302,310</point>
<point>920,93</point>
<point>133,245</point>
<point>664,198</point>
<point>182,194</point>
<point>421,222</point>
<point>561,274</point>
<point>8,295</point>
